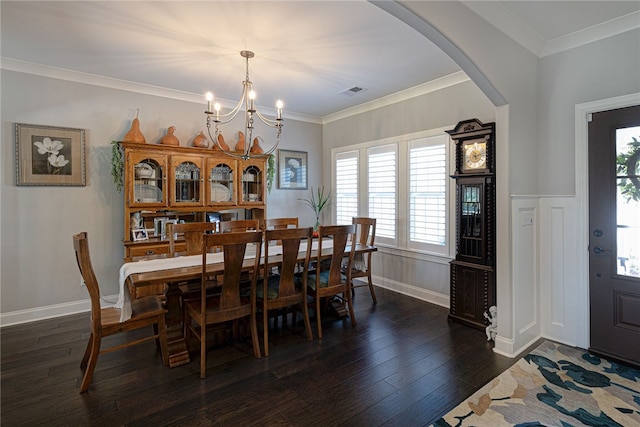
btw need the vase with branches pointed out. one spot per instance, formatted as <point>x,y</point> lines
<point>317,201</point>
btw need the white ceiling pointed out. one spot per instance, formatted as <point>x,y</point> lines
<point>307,52</point>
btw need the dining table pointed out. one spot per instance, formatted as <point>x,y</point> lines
<point>173,270</point>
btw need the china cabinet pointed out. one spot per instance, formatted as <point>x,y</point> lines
<point>473,282</point>
<point>171,183</point>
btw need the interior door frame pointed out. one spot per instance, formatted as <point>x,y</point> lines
<point>582,118</point>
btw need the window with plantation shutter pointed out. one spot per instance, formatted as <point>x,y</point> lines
<point>382,166</point>
<point>346,193</point>
<point>428,192</point>
<point>403,182</point>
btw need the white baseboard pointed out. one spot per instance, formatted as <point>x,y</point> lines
<point>58,310</point>
<point>50,311</point>
<point>412,291</point>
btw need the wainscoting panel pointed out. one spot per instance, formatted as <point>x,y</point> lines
<point>525,270</point>
<point>558,280</point>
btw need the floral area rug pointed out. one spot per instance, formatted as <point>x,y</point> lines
<point>554,385</point>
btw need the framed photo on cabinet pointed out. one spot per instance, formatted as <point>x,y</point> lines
<point>292,170</point>
<point>49,155</point>
<point>140,234</point>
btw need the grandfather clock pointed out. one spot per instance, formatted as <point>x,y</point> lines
<point>473,281</point>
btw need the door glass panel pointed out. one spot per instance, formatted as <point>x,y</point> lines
<point>221,178</point>
<point>628,201</point>
<point>252,184</point>
<point>148,182</point>
<point>187,176</point>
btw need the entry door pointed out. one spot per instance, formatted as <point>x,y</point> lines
<point>614,228</point>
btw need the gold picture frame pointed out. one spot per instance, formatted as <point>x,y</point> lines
<point>50,155</point>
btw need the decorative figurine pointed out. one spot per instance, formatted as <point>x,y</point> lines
<point>256,148</point>
<point>492,317</point>
<point>170,138</point>
<point>221,144</point>
<point>201,141</point>
<point>239,139</point>
<point>135,221</point>
<point>134,134</point>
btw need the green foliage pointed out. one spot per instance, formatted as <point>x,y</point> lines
<point>627,166</point>
<point>271,171</point>
<point>117,165</point>
<point>317,201</point>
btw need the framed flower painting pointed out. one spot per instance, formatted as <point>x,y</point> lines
<point>49,155</point>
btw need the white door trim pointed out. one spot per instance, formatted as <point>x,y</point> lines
<point>582,115</point>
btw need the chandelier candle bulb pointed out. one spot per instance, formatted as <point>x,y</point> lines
<point>252,97</point>
<point>209,101</point>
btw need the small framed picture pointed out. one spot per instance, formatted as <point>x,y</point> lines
<point>49,155</point>
<point>163,231</point>
<point>140,234</point>
<point>292,170</point>
<point>158,225</point>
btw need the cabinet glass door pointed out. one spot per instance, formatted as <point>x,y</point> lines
<point>252,183</point>
<point>221,182</point>
<point>148,180</point>
<point>187,181</point>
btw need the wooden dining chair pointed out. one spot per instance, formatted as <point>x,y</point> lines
<point>239,225</point>
<point>361,266</point>
<point>192,233</point>
<point>279,291</point>
<point>146,311</point>
<point>280,223</point>
<point>229,304</point>
<point>328,280</point>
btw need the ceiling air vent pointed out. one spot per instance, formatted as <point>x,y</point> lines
<point>351,91</point>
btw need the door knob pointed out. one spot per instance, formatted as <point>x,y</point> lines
<point>598,250</point>
<point>597,233</point>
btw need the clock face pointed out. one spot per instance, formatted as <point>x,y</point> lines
<point>475,155</point>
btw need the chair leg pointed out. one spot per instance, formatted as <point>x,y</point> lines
<point>203,349</point>
<point>254,335</point>
<point>318,317</point>
<point>307,323</point>
<point>265,330</point>
<point>87,352</point>
<point>162,332</point>
<point>373,293</point>
<point>91,365</point>
<point>350,307</point>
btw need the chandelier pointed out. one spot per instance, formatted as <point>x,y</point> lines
<point>251,147</point>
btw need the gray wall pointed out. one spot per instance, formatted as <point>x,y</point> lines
<point>599,70</point>
<point>38,264</point>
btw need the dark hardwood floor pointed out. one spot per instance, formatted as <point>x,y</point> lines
<point>403,364</point>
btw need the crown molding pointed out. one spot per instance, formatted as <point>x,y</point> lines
<point>601,31</point>
<point>501,18</point>
<point>413,92</point>
<point>18,66</point>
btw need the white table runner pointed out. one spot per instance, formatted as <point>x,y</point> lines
<point>159,264</point>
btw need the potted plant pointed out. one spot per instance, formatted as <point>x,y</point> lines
<point>317,201</point>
